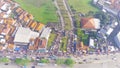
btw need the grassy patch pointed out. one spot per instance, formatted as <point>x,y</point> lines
<point>68,62</point>
<point>64,44</point>
<point>83,6</point>
<point>4,60</point>
<point>51,39</point>
<point>44,61</point>
<point>20,61</point>
<point>43,10</point>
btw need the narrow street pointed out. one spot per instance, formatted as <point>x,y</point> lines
<point>60,15</point>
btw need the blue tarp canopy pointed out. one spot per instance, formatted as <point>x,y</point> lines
<point>17,49</point>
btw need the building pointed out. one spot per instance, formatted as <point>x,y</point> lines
<point>111,6</point>
<point>42,45</point>
<point>91,42</point>
<point>117,39</point>
<point>90,23</point>
<point>46,33</point>
<point>109,31</point>
<point>23,36</point>
<point>82,47</point>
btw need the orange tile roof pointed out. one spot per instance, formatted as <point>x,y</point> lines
<point>18,10</point>
<point>37,40</point>
<point>11,30</point>
<point>31,47</point>
<point>6,29</point>
<point>81,46</point>
<point>11,46</point>
<point>10,21</point>
<point>21,17</point>
<point>10,40</point>
<point>7,37</point>
<point>43,44</point>
<point>39,27</point>
<point>87,23</point>
<point>25,13</point>
<point>30,16</point>
<point>30,22</point>
<point>33,25</point>
<point>26,19</point>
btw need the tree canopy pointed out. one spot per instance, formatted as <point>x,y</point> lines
<point>20,61</point>
<point>104,18</point>
<point>69,62</point>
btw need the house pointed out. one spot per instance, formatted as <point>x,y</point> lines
<point>117,39</point>
<point>21,17</point>
<point>30,16</point>
<point>91,43</point>
<point>82,47</point>
<point>42,45</point>
<point>19,11</point>
<point>46,33</point>
<point>26,19</point>
<point>39,27</point>
<point>9,21</point>
<point>29,23</point>
<point>6,29</point>
<point>5,7</point>
<point>5,15</point>
<point>90,23</point>
<point>38,44</point>
<point>33,25</point>
<point>9,11</point>
<point>23,36</point>
<point>109,31</point>
<point>11,47</point>
<point>111,6</point>
<point>2,41</point>
<point>12,30</point>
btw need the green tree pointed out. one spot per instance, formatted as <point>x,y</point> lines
<point>44,61</point>
<point>80,33</point>
<point>104,18</point>
<point>69,62</point>
<point>20,61</point>
<point>5,60</point>
<point>82,36</point>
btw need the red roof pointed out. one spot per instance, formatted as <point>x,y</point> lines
<point>87,23</point>
<point>43,43</point>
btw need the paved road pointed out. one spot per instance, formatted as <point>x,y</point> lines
<point>59,13</point>
<point>113,34</point>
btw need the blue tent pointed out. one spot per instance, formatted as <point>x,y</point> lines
<point>17,49</point>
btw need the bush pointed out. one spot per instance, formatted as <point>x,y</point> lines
<point>20,61</point>
<point>69,62</point>
<point>5,60</point>
<point>44,61</point>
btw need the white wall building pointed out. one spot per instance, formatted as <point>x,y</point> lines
<point>117,39</point>
<point>23,36</point>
